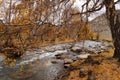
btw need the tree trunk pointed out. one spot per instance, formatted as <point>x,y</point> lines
<point>116,38</point>
<point>114,22</point>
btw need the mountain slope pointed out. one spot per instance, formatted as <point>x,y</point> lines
<point>100,25</point>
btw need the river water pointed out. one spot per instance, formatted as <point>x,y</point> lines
<point>36,64</point>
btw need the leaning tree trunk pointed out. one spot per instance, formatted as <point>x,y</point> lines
<point>114,22</point>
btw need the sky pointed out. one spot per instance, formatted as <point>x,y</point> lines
<point>78,4</point>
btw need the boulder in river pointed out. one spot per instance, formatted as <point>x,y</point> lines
<point>74,58</point>
<point>50,49</point>
<point>83,56</point>
<point>91,50</point>
<point>54,61</point>
<point>68,61</point>
<point>98,52</point>
<point>60,57</point>
<point>59,54</point>
<point>76,49</point>
<point>66,65</point>
<point>94,51</point>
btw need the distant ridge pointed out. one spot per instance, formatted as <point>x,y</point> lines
<point>100,24</point>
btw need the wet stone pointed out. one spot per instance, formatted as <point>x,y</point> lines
<point>76,49</point>
<point>54,61</point>
<point>66,65</point>
<point>68,61</point>
<point>98,52</point>
<point>59,54</point>
<point>83,56</point>
<point>91,50</point>
<point>60,57</point>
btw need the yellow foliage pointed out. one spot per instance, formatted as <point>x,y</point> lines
<point>85,31</point>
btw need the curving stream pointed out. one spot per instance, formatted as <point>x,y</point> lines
<point>36,64</point>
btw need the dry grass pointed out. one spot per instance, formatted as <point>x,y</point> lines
<point>107,70</point>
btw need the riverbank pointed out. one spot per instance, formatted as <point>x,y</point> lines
<point>97,67</point>
<point>51,62</point>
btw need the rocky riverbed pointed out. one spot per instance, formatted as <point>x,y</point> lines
<point>50,62</point>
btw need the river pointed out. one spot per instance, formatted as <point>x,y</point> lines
<point>36,64</point>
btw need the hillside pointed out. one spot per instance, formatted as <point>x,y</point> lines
<point>100,25</point>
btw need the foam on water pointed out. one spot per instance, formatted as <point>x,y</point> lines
<point>31,56</point>
<point>38,56</point>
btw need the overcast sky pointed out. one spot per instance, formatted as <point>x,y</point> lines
<point>79,3</point>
